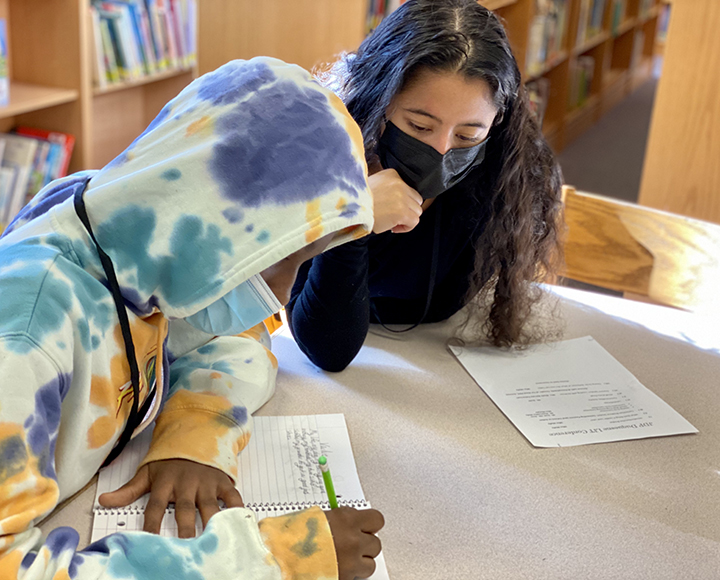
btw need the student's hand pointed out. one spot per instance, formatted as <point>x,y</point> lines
<point>356,544</point>
<point>184,482</point>
<point>396,205</point>
<point>280,277</point>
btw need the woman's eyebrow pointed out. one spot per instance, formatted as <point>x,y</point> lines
<point>424,113</point>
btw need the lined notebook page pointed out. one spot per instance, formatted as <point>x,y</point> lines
<point>277,472</point>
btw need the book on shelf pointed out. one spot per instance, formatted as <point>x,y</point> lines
<point>4,78</point>
<point>637,49</point>
<point>538,92</point>
<point>663,23</point>
<point>546,37</point>
<point>31,158</point>
<point>137,38</point>
<point>617,11</point>
<point>581,76</point>
<point>590,22</point>
<point>19,156</point>
<point>379,9</point>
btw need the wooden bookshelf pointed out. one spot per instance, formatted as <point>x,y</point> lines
<point>50,58</point>
<point>26,98</point>
<point>622,62</point>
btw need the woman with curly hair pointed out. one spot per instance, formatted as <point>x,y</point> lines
<point>466,189</point>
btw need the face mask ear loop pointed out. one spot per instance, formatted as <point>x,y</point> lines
<point>433,274</point>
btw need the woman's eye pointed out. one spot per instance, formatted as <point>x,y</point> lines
<point>418,128</point>
<point>466,139</point>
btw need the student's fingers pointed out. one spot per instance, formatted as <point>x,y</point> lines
<point>185,516</point>
<point>366,568</point>
<point>155,509</point>
<point>371,521</point>
<point>231,497</point>
<point>208,506</point>
<point>128,493</point>
<point>372,547</point>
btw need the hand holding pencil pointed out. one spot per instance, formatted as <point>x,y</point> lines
<point>353,532</point>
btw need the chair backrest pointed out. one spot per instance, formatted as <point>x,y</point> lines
<point>669,258</point>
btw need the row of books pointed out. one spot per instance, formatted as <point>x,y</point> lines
<point>4,78</point>
<point>547,34</point>
<point>590,23</point>
<point>379,9</point>
<point>582,71</point>
<point>31,158</point>
<point>137,38</point>
<point>617,11</point>
<point>538,92</point>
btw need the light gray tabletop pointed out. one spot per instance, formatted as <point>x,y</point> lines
<point>465,496</point>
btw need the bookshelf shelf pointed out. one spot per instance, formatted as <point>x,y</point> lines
<point>652,13</point>
<point>626,26</point>
<point>496,4</point>
<point>143,81</point>
<point>591,43</point>
<point>549,65</point>
<point>613,77</point>
<point>26,98</point>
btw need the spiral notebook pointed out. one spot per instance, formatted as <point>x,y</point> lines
<point>277,472</point>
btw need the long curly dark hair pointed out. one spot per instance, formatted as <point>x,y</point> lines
<point>520,243</point>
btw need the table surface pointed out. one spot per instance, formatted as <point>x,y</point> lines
<point>466,496</point>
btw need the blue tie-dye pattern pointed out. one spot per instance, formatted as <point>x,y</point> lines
<point>95,300</point>
<point>193,263</point>
<point>209,348</point>
<point>150,557</point>
<point>77,560</point>
<point>13,457</point>
<point>46,200</point>
<point>240,414</point>
<point>171,174</point>
<point>33,301</point>
<point>283,146</point>
<point>182,368</point>
<point>232,83</point>
<point>62,539</point>
<point>350,210</point>
<point>42,426</point>
<point>233,214</point>
<point>28,560</point>
<point>263,237</point>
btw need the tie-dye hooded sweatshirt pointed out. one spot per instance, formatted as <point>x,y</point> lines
<point>247,165</point>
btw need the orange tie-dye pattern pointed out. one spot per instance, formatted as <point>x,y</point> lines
<point>302,544</point>
<point>18,510</point>
<point>114,394</point>
<point>314,219</point>
<point>10,564</point>
<point>204,126</point>
<point>189,427</point>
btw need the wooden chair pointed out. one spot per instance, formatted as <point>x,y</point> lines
<point>645,253</point>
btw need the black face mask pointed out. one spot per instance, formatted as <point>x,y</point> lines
<point>421,166</point>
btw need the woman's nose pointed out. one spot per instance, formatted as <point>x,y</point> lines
<point>442,143</point>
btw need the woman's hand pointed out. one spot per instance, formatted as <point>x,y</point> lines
<point>356,544</point>
<point>187,483</point>
<point>396,205</point>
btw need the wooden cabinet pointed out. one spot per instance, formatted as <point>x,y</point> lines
<point>682,168</point>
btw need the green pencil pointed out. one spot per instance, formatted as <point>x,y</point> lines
<point>327,479</point>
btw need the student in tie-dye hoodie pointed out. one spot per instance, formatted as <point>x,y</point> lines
<point>250,170</point>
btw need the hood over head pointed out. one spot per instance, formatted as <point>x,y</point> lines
<point>247,165</point>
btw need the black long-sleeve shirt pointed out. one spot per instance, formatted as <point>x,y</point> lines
<point>330,307</point>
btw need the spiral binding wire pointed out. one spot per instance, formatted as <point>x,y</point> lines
<point>265,507</point>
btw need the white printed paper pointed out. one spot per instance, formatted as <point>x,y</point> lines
<point>570,393</point>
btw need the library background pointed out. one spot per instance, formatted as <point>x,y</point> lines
<point>80,79</point>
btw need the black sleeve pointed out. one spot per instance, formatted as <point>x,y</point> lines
<point>328,311</point>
